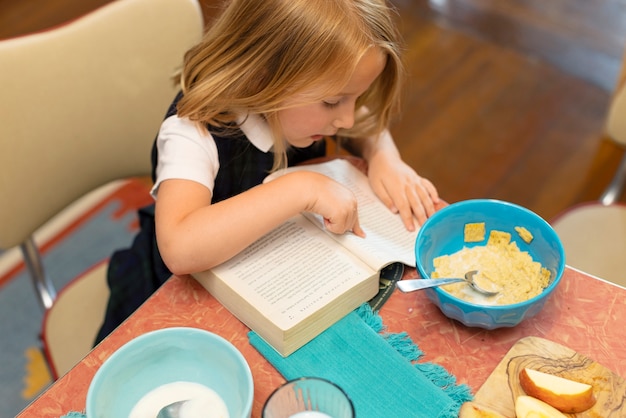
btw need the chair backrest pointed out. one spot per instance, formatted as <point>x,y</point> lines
<point>81,104</point>
<point>616,119</point>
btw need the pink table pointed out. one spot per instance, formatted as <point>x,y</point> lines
<point>585,314</point>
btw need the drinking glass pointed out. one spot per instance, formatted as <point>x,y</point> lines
<point>308,397</point>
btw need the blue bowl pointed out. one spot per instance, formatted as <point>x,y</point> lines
<point>166,356</point>
<point>443,233</point>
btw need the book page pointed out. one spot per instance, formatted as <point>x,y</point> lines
<point>299,254</point>
<point>387,239</point>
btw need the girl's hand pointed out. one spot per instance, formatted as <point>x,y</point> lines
<point>401,189</point>
<point>336,204</point>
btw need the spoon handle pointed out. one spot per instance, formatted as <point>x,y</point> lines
<point>417,284</point>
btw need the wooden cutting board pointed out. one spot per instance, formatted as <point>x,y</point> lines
<point>502,387</point>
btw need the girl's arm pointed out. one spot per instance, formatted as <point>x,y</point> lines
<point>396,183</point>
<point>195,235</point>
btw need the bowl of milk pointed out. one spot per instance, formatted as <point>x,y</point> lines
<point>168,365</point>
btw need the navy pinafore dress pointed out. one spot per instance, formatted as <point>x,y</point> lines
<point>137,272</point>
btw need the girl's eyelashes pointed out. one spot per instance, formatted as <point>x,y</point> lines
<point>331,104</point>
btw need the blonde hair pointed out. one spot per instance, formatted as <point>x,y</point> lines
<point>259,53</point>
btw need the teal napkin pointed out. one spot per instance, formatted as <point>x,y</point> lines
<point>375,370</point>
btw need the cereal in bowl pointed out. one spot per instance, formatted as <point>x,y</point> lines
<point>501,266</point>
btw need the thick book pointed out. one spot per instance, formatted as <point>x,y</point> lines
<point>299,279</point>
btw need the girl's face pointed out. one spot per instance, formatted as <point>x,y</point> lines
<point>303,124</point>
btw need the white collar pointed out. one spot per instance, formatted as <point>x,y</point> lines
<point>257,131</point>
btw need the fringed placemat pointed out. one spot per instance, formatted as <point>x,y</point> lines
<point>378,370</point>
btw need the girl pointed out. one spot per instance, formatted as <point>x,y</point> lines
<point>270,80</point>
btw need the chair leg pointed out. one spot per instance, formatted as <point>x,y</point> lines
<point>44,288</point>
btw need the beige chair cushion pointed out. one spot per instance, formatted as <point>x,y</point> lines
<point>81,104</point>
<point>594,239</point>
<point>71,324</point>
<point>616,122</point>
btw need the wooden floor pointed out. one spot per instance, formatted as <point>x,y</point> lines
<point>506,98</point>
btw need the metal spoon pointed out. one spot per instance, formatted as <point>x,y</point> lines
<point>172,410</point>
<point>418,284</point>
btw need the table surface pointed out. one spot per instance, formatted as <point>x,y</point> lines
<point>584,313</point>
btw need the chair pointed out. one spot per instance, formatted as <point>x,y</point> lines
<point>594,234</point>
<point>80,107</point>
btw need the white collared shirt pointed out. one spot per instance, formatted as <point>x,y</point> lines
<point>185,152</point>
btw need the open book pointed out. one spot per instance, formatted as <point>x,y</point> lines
<point>298,280</point>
